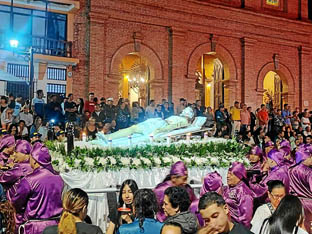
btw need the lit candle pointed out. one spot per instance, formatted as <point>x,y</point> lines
<point>110,143</point>
<point>206,136</point>
<point>168,140</point>
<point>84,137</point>
<point>151,138</point>
<point>188,138</point>
<point>130,140</point>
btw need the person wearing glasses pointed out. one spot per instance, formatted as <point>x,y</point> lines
<point>276,192</point>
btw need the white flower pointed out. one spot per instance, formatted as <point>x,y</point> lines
<point>103,161</point>
<point>157,161</point>
<point>125,161</point>
<point>77,163</point>
<point>187,160</point>
<point>146,161</point>
<point>198,161</point>
<point>112,160</point>
<point>214,161</point>
<point>175,159</point>
<point>136,161</point>
<point>89,161</point>
<point>167,160</point>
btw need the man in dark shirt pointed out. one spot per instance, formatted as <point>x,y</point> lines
<point>70,109</point>
<point>214,211</point>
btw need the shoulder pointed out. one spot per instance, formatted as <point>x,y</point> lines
<point>88,228</point>
<point>240,229</point>
<point>50,230</point>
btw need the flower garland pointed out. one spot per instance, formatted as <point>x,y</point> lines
<point>211,154</point>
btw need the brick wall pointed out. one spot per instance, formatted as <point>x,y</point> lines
<point>246,41</point>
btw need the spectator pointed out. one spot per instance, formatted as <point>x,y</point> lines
<point>245,119</point>
<point>110,110</point>
<point>126,195</point>
<point>80,106</point>
<point>215,213</point>
<point>150,110</point>
<point>253,119</point>
<point>103,103</point>
<point>39,128</point>
<point>199,109</point>
<point>145,207</point>
<point>13,130</point>
<point>210,117</point>
<point>288,218</point>
<point>70,108</point>
<point>276,192</point>
<point>263,117</point>
<point>37,104</point>
<point>176,205</point>
<point>220,118</point>
<point>171,228</point>
<point>98,115</point>
<point>7,117</point>
<point>305,121</point>
<point>286,114</point>
<point>158,112</point>
<point>181,106</point>
<point>3,104</point>
<point>166,110</point>
<point>235,118</point>
<point>75,206</point>
<point>26,116</point>
<point>22,131</point>
<point>123,115</point>
<point>7,214</point>
<point>295,121</point>
<point>90,104</point>
<point>90,130</point>
<point>17,109</point>
<point>135,112</point>
<point>53,110</point>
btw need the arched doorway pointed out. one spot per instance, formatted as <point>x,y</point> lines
<point>275,90</point>
<point>135,82</point>
<point>210,86</point>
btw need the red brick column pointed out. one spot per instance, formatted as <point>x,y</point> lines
<point>305,99</point>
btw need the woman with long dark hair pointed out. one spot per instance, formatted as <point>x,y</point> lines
<point>145,208</point>
<point>126,194</point>
<point>75,205</point>
<point>288,218</point>
<point>7,220</point>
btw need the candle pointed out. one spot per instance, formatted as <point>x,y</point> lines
<point>188,138</point>
<point>151,138</point>
<point>84,137</point>
<point>168,140</point>
<point>206,136</point>
<point>110,143</point>
<point>130,140</point>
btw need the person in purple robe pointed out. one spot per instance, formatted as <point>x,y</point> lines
<point>238,196</point>
<point>7,145</point>
<point>177,177</point>
<point>38,196</point>
<point>212,183</point>
<point>21,165</point>
<point>268,146</point>
<point>255,157</point>
<point>285,148</point>
<point>277,171</point>
<point>300,183</point>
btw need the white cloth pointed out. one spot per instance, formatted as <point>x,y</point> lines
<point>260,215</point>
<point>98,207</point>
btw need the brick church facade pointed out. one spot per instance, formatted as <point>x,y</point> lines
<point>174,41</point>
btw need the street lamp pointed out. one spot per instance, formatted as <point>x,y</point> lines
<point>14,44</point>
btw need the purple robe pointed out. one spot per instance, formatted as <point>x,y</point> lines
<point>159,191</point>
<point>240,202</point>
<point>3,158</point>
<point>300,178</point>
<point>277,173</point>
<point>38,196</point>
<point>11,176</point>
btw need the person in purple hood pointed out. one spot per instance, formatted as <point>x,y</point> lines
<point>21,165</point>
<point>277,171</point>
<point>38,196</point>
<point>212,183</point>
<point>238,196</point>
<point>285,148</point>
<point>7,145</point>
<point>300,178</point>
<point>177,177</point>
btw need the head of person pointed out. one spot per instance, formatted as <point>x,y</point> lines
<point>40,93</point>
<point>126,193</point>
<point>144,205</point>
<point>60,135</point>
<point>178,174</point>
<point>309,139</point>
<point>110,101</point>
<point>276,192</point>
<point>166,105</point>
<point>40,157</point>
<point>236,104</point>
<point>26,109</point>
<point>182,101</point>
<point>158,108</point>
<point>34,137</point>
<point>3,100</point>
<point>21,124</point>
<point>80,101</point>
<point>7,212</point>
<point>171,228</point>
<point>237,172</point>
<point>75,207</point>
<point>97,108</point>
<point>214,212</point>
<point>275,158</point>
<point>176,200</point>
<point>91,97</point>
<point>152,103</point>
<point>212,182</point>
<point>255,155</point>
<point>287,216</point>
<point>13,129</point>
<point>22,151</point>
<point>262,107</point>
<point>7,144</point>
<point>71,97</point>
<point>91,121</point>
<point>38,121</point>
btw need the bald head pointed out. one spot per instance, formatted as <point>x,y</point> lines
<point>171,228</point>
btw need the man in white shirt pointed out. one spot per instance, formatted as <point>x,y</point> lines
<point>26,116</point>
<point>150,110</point>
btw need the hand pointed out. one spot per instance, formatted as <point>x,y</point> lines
<point>208,229</point>
<point>126,217</point>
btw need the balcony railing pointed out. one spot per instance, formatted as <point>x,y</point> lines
<point>41,45</point>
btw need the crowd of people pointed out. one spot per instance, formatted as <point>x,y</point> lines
<point>272,195</point>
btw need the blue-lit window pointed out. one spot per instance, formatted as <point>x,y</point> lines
<point>56,88</point>
<point>19,70</point>
<point>56,73</point>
